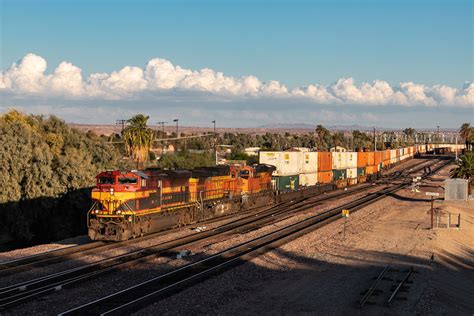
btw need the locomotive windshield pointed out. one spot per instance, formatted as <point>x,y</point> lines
<point>105,180</point>
<point>127,180</point>
<point>244,174</point>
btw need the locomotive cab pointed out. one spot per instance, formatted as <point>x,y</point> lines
<point>117,198</point>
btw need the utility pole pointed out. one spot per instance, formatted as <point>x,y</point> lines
<point>121,122</point>
<point>177,127</point>
<point>162,127</point>
<point>215,139</point>
<point>375,141</point>
<point>163,136</point>
<point>437,142</point>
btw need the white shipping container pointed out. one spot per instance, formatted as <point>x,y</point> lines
<point>351,159</point>
<point>340,160</point>
<point>307,179</point>
<point>351,173</point>
<point>309,162</point>
<point>286,162</point>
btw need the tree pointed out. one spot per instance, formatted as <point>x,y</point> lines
<point>138,138</point>
<point>467,133</point>
<point>323,134</point>
<point>465,167</point>
<point>410,134</point>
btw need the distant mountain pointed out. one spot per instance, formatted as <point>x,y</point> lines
<point>300,126</point>
<point>305,126</point>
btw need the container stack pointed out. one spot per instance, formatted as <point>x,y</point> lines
<point>324,167</point>
<point>339,165</point>
<point>386,158</point>
<point>362,163</point>
<point>308,169</point>
<point>287,163</point>
<point>351,166</point>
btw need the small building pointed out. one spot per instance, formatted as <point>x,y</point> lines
<point>252,151</point>
<point>456,189</point>
<point>338,149</point>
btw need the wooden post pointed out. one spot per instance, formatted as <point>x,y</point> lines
<point>459,221</point>
<point>344,234</point>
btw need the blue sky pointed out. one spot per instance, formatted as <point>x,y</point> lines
<point>297,43</point>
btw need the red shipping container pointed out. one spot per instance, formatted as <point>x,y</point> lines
<point>378,157</point>
<point>362,159</point>
<point>324,177</point>
<point>324,161</point>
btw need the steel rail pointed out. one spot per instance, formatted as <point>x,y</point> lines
<point>399,286</point>
<point>63,254</point>
<point>374,285</point>
<point>21,292</point>
<point>136,296</point>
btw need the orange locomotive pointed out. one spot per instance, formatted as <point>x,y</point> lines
<point>127,204</point>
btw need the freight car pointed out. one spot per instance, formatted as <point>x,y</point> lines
<point>127,204</point>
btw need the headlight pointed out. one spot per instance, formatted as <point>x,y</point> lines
<point>119,211</point>
<point>97,211</point>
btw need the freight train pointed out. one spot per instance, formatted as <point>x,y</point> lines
<point>128,204</point>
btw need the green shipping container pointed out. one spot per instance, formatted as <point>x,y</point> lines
<point>339,174</point>
<point>286,182</point>
<point>361,171</point>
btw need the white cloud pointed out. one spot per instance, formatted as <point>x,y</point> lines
<point>28,78</point>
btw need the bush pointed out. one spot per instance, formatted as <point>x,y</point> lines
<point>47,170</point>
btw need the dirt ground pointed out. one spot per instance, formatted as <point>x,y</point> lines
<point>324,273</point>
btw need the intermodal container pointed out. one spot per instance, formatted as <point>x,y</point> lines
<point>361,171</point>
<point>324,176</point>
<point>339,160</point>
<point>386,155</point>
<point>286,162</point>
<point>351,173</point>
<point>351,157</point>
<point>324,161</point>
<point>286,182</point>
<point>371,170</point>
<point>308,162</point>
<point>339,174</point>
<point>371,159</point>
<point>307,179</point>
<point>378,157</point>
<point>362,157</point>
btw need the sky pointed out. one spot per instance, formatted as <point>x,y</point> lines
<point>242,63</point>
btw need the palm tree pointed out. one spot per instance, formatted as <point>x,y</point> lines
<point>138,138</point>
<point>321,131</point>
<point>409,133</point>
<point>466,132</point>
<point>465,167</point>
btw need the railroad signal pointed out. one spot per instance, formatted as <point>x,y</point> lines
<point>345,213</point>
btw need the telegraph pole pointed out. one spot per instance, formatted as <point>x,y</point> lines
<point>121,122</point>
<point>215,140</point>
<point>163,135</point>
<point>437,142</point>
<point>375,141</point>
<point>177,127</point>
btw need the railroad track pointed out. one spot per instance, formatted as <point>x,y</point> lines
<point>137,296</point>
<point>376,287</point>
<point>61,255</point>
<point>24,291</point>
